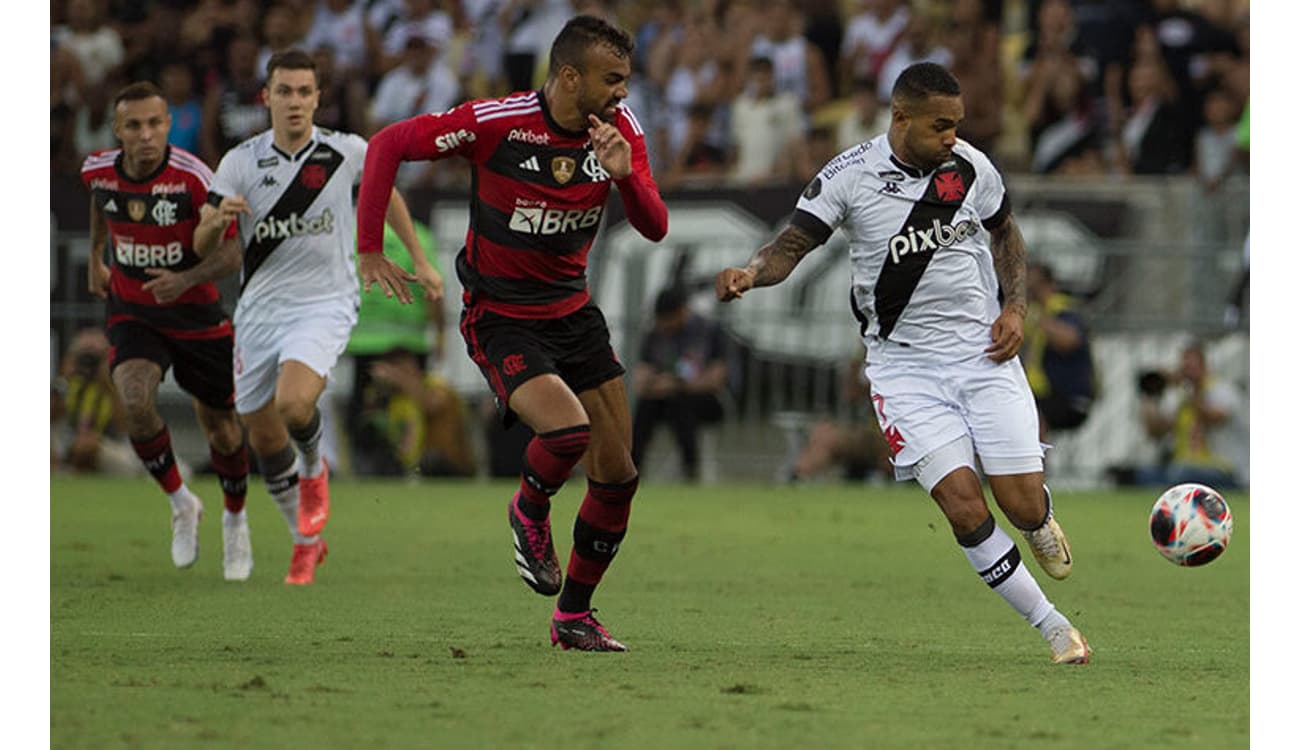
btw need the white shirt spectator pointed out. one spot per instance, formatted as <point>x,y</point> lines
<point>868,38</point>
<point>97,51</point>
<point>402,93</point>
<point>342,31</point>
<point>762,129</point>
<point>436,28</point>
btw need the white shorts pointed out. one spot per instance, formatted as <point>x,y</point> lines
<point>923,407</point>
<point>316,338</point>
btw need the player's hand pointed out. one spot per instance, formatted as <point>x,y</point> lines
<point>732,283</point>
<point>375,268</point>
<point>1008,334</point>
<point>166,286</point>
<point>431,280</point>
<point>611,148</point>
<point>231,207</point>
<point>99,278</point>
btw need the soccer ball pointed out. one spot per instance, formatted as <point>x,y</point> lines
<point>1191,524</point>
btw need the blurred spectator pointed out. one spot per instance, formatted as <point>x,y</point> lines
<point>919,43</point>
<point>1065,131</point>
<point>870,37</point>
<point>213,23</point>
<point>693,80</point>
<point>233,110</point>
<point>384,325</point>
<point>812,153</point>
<point>340,25</point>
<point>93,123</point>
<point>483,72</point>
<point>1057,355</point>
<point>797,64</point>
<point>279,33</point>
<point>765,124</point>
<point>976,61</point>
<point>1215,161</point>
<point>422,83</point>
<point>853,442</point>
<point>1202,421</point>
<point>868,118</point>
<point>824,29</point>
<point>177,84</point>
<point>420,422</point>
<point>700,154</point>
<point>529,26</point>
<point>96,46</point>
<point>1188,42</point>
<point>419,19</point>
<point>343,98</point>
<point>680,379</point>
<point>90,434</point>
<point>1153,138</point>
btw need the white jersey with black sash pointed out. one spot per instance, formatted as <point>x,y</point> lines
<point>300,241</point>
<point>919,246</point>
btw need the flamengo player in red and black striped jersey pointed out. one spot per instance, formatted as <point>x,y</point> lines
<point>163,309</point>
<point>543,165</point>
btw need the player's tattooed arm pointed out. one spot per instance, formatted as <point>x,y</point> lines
<point>1008,247</point>
<point>770,265</point>
<point>167,286</point>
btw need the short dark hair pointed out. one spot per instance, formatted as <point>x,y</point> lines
<point>670,300</point>
<point>134,92</point>
<point>290,59</point>
<point>580,34</point>
<point>921,80</point>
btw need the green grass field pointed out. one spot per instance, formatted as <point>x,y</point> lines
<point>757,617</point>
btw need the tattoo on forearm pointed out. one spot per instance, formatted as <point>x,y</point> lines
<point>1009,263</point>
<point>776,260</point>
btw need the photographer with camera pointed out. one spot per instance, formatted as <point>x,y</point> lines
<point>1202,419</point>
<point>86,429</point>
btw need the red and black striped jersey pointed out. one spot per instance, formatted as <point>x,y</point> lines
<point>539,196</point>
<point>151,224</point>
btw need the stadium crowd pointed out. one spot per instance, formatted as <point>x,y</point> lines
<point>731,91</point>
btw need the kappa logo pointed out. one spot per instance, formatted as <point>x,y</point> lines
<point>891,188</point>
<point>562,168</point>
<point>164,213</point>
<point>513,364</point>
<point>531,164</point>
<point>269,181</point>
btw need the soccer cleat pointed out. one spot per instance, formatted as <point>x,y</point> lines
<point>1051,548</point>
<point>314,502</point>
<point>582,631</point>
<point>237,549</point>
<point>302,567</point>
<point>535,557</point>
<point>185,533</point>
<point>1068,646</point>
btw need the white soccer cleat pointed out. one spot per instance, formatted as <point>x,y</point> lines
<point>185,533</point>
<point>237,548</point>
<point>1051,549</point>
<point>1068,646</point>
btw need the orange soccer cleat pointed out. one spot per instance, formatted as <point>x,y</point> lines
<point>314,502</point>
<point>302,567</point>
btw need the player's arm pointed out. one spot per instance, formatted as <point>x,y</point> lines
<point>96,269</point>
<point>374,267</point>
<point>770,265</point>
<point>629,168</point>
<point>1008,247</point>
<point>167,285</point>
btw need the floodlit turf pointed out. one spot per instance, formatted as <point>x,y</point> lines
<point>757,617</point>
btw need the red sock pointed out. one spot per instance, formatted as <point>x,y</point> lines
<point>599,530</point>
<point>156,455</point>
<point>548,461</point>
<point>232,471</point>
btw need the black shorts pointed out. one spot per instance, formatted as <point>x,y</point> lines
<point>512,351</point>
<point>203,367</point>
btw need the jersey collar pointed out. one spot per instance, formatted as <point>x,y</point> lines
<point>120,165</point>
<point>306,149</point>
<point>550,121</point>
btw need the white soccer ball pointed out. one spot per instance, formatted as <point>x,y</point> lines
<point>1191,524</point>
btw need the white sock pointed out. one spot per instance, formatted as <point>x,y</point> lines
<point>287,502</point>
<point>182,498</point>
<point>997,561</point>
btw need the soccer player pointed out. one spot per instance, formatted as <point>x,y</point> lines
<point>544,162</point>
<point>289,189</point>
<point>164,311</point>
<point>933,245</point>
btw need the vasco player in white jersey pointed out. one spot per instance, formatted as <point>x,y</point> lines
<point>933,244</point>
<point>290,190</point>
<point>164,310</point>
<point>544,162</point>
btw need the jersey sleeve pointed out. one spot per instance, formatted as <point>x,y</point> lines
<point>354,152</point>
<point>455,132</point>
<point>228,179</point>
<point>990,201</point>
<point>644,206</point>
<point>824,203</point>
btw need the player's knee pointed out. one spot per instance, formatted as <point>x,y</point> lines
<point>225,435</point>
<point>295,411</point>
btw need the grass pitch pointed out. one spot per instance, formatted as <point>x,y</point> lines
<point>757,617</point>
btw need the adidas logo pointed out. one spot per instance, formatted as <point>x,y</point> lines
<point>110,206</point>
<point>531,164</point>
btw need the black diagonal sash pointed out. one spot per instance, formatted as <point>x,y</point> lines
<point>312,177</point>
<point>898,280</point>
